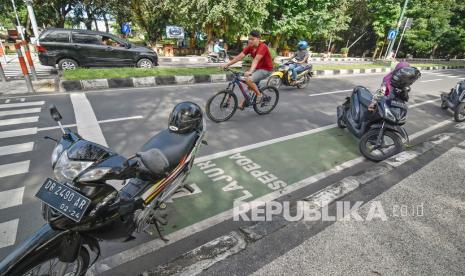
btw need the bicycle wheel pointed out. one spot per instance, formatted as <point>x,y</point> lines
<point>221,106</point>
<point>269,100</point>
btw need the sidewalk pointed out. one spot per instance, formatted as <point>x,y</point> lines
<point>431,244</point>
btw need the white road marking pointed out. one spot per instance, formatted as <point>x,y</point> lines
<point>14,168</point>
<point>331,92</point>
<point>100,122</point>
<point>11,198</point>
<point>152,246</point>
<point>18,148</point>
<point>431,128</point>
<point>8,122</point>
<point>431,80</point>
<point>86,121</point>
<point>452,76</point>
<point>422,103</point>
<point>8,232</point>
<point>22,99</point>
<point>20,111</point>
<point>21,104</point>
<point>7,101</point>
<point>18,132</point>
<point>261,144</point>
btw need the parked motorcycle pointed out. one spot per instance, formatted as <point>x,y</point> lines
<point>455,100</point>
<point>381,133</point>
<point>81,206</point>
<point>284,76</point>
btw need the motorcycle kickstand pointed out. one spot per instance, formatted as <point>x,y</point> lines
<point>159,231</point>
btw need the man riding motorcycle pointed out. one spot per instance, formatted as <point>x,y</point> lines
<point>299,60</point>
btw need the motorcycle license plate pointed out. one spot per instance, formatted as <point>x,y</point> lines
<point>64,199</point>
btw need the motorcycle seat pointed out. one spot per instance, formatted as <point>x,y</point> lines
<point>364,96</point>
<point>173,146</point>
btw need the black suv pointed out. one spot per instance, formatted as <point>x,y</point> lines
<point>73,48</point>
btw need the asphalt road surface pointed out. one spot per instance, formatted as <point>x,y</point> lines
<point>296,141</point>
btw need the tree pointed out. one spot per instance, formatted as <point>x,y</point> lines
<point>430,23</point>
<point>152,16</point>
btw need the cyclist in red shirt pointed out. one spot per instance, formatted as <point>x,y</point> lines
<point>262,64</point>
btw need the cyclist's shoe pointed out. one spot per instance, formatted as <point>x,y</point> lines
<point>242,105</point>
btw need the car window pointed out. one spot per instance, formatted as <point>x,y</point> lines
<point>56,36</point>
<point>87,39</point>
<point>109,41</point>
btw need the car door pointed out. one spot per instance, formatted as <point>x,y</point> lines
<point>91,48</point>
<point>120,54</point>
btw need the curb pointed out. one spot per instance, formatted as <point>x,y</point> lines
<point>214,251</point>
<point>96,84</point>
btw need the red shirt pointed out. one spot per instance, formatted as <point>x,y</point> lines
<point>266,63</point>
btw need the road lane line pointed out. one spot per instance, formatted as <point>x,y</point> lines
<point>22,99</point>
<point>8,232</point>
<point>331,92</point>
<point>86,121</point>
<point>25,120</point>
<point>18,148</point>
<point>422,103</point>
<point>452,76</point>
<point>21,104</point>
<point>100,122</point>
<point>18,132</point>
<point>430,128</point>
<point>152,246</point>
<point>20,111</point>
<point>14,168</point>
<point>7,101</point>
<point>260,144</point>
<point>431,80</point>
<point>11,198</point>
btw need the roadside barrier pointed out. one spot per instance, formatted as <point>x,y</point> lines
<point>29,59</point>
<point>23,65</point>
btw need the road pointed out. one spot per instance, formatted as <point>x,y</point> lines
<point>296,141</point>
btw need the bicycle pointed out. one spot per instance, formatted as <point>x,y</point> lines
<point>228,102</point>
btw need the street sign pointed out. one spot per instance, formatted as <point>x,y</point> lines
<point>126,29</point>
<point>392,34</point>
<point>175,32</point>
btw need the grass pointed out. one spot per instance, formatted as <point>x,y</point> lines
<point>84,74</point>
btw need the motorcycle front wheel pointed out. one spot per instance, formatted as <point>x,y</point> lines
<point>275,81</point>
<point>391,144</point>
<point>53,266</point>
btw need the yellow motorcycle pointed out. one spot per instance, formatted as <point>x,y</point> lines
<point>283,76</point>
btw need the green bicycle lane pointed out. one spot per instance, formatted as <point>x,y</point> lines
<point>251,174</point>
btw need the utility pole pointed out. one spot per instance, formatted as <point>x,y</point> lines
<point>17,20</point>
<point>407,24</point>
<point>32,16</point>
<point>391,45</point>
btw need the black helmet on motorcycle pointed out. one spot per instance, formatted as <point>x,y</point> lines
<point>185,117</point>
<point>404,77</point>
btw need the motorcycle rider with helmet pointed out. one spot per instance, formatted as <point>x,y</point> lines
<point>299,59</point>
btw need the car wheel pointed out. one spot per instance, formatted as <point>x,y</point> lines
<point>144,63</point>
<point>67,64</point>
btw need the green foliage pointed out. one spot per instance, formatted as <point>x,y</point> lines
<point>344,50</point>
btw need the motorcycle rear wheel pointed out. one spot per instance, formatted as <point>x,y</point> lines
<point>305,83</point>
<point>368,141</point>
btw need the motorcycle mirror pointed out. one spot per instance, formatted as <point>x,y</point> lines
<point>56,116</point>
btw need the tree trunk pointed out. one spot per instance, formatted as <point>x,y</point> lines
<point>376,49</point>
<point>96,25</point>
<point>209,32</point>
<point>105,19</point>
<point>382,47</point>
<point>433,51</point>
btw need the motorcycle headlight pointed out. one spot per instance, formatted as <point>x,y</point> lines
<point>55,153</point>
<point>66,170</point>
<point>94,174</point>
<point>388,115</point>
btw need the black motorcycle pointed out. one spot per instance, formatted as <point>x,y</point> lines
<point>381,133</point>
<point>455,100</point>
<point>81,205</point>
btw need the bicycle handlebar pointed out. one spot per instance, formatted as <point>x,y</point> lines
<point>233,71</point>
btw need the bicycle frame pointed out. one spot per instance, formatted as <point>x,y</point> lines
<point>236,81</point>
